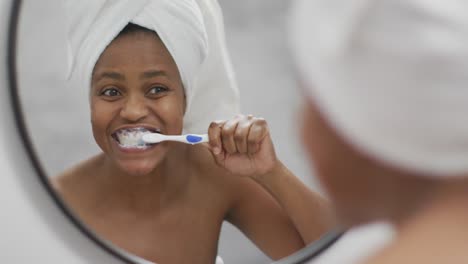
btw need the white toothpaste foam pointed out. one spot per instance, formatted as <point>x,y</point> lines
<point>132,138</point>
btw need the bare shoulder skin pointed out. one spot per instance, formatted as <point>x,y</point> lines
<point>158,230</point>
<point>434,234</point>
<point>153,225</point>
<point>254,211</point>
<point>71,183</point>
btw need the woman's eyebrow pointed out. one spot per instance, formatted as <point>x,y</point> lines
<point>110,75</point>
<point>153,73</point>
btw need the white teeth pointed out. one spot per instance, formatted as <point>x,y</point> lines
<point>132,137</point>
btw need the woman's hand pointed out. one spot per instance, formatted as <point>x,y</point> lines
<point>243,145</point>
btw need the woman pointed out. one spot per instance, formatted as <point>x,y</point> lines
<point>385,123</point>
<point>159,200</point>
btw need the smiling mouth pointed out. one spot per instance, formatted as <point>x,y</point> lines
<point>131,138</point>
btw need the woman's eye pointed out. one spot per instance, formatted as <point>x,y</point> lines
<point>110,92</point>
<point>157,90</point>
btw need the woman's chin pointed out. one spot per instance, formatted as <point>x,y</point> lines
<point>137,161</point>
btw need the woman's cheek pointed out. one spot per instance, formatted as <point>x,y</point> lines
<point>172,112</point>
<point>100,121</point>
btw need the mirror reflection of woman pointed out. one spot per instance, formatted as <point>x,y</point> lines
<point>166,202</point>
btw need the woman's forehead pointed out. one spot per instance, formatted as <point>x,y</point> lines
<point>140,50</point>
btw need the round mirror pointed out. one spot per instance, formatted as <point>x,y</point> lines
<point>158,68</point>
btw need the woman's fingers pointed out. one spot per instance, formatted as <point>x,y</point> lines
<point>258,131</point>
<point>227,135</point>
<point>242,134</point>
<point>214,134</point>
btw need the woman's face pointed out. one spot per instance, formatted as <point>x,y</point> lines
<point>136,88</point>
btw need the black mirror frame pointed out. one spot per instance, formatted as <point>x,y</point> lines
<point>302,256</point>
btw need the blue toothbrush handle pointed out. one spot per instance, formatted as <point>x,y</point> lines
<point>195,139</point>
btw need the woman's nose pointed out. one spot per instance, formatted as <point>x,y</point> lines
<point>134,109</point>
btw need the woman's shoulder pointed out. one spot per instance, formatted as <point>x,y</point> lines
<point>438,227</point>
<point>76,175</point>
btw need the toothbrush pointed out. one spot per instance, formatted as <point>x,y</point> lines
<point>153,138</point>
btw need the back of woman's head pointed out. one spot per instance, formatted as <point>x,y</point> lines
<point>390,76</point>
<point>388,84</point>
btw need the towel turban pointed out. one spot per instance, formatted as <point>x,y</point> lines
<point>390,76</point>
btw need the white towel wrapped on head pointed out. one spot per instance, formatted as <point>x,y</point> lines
<point>390,76</point>
<point>198,49</point>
